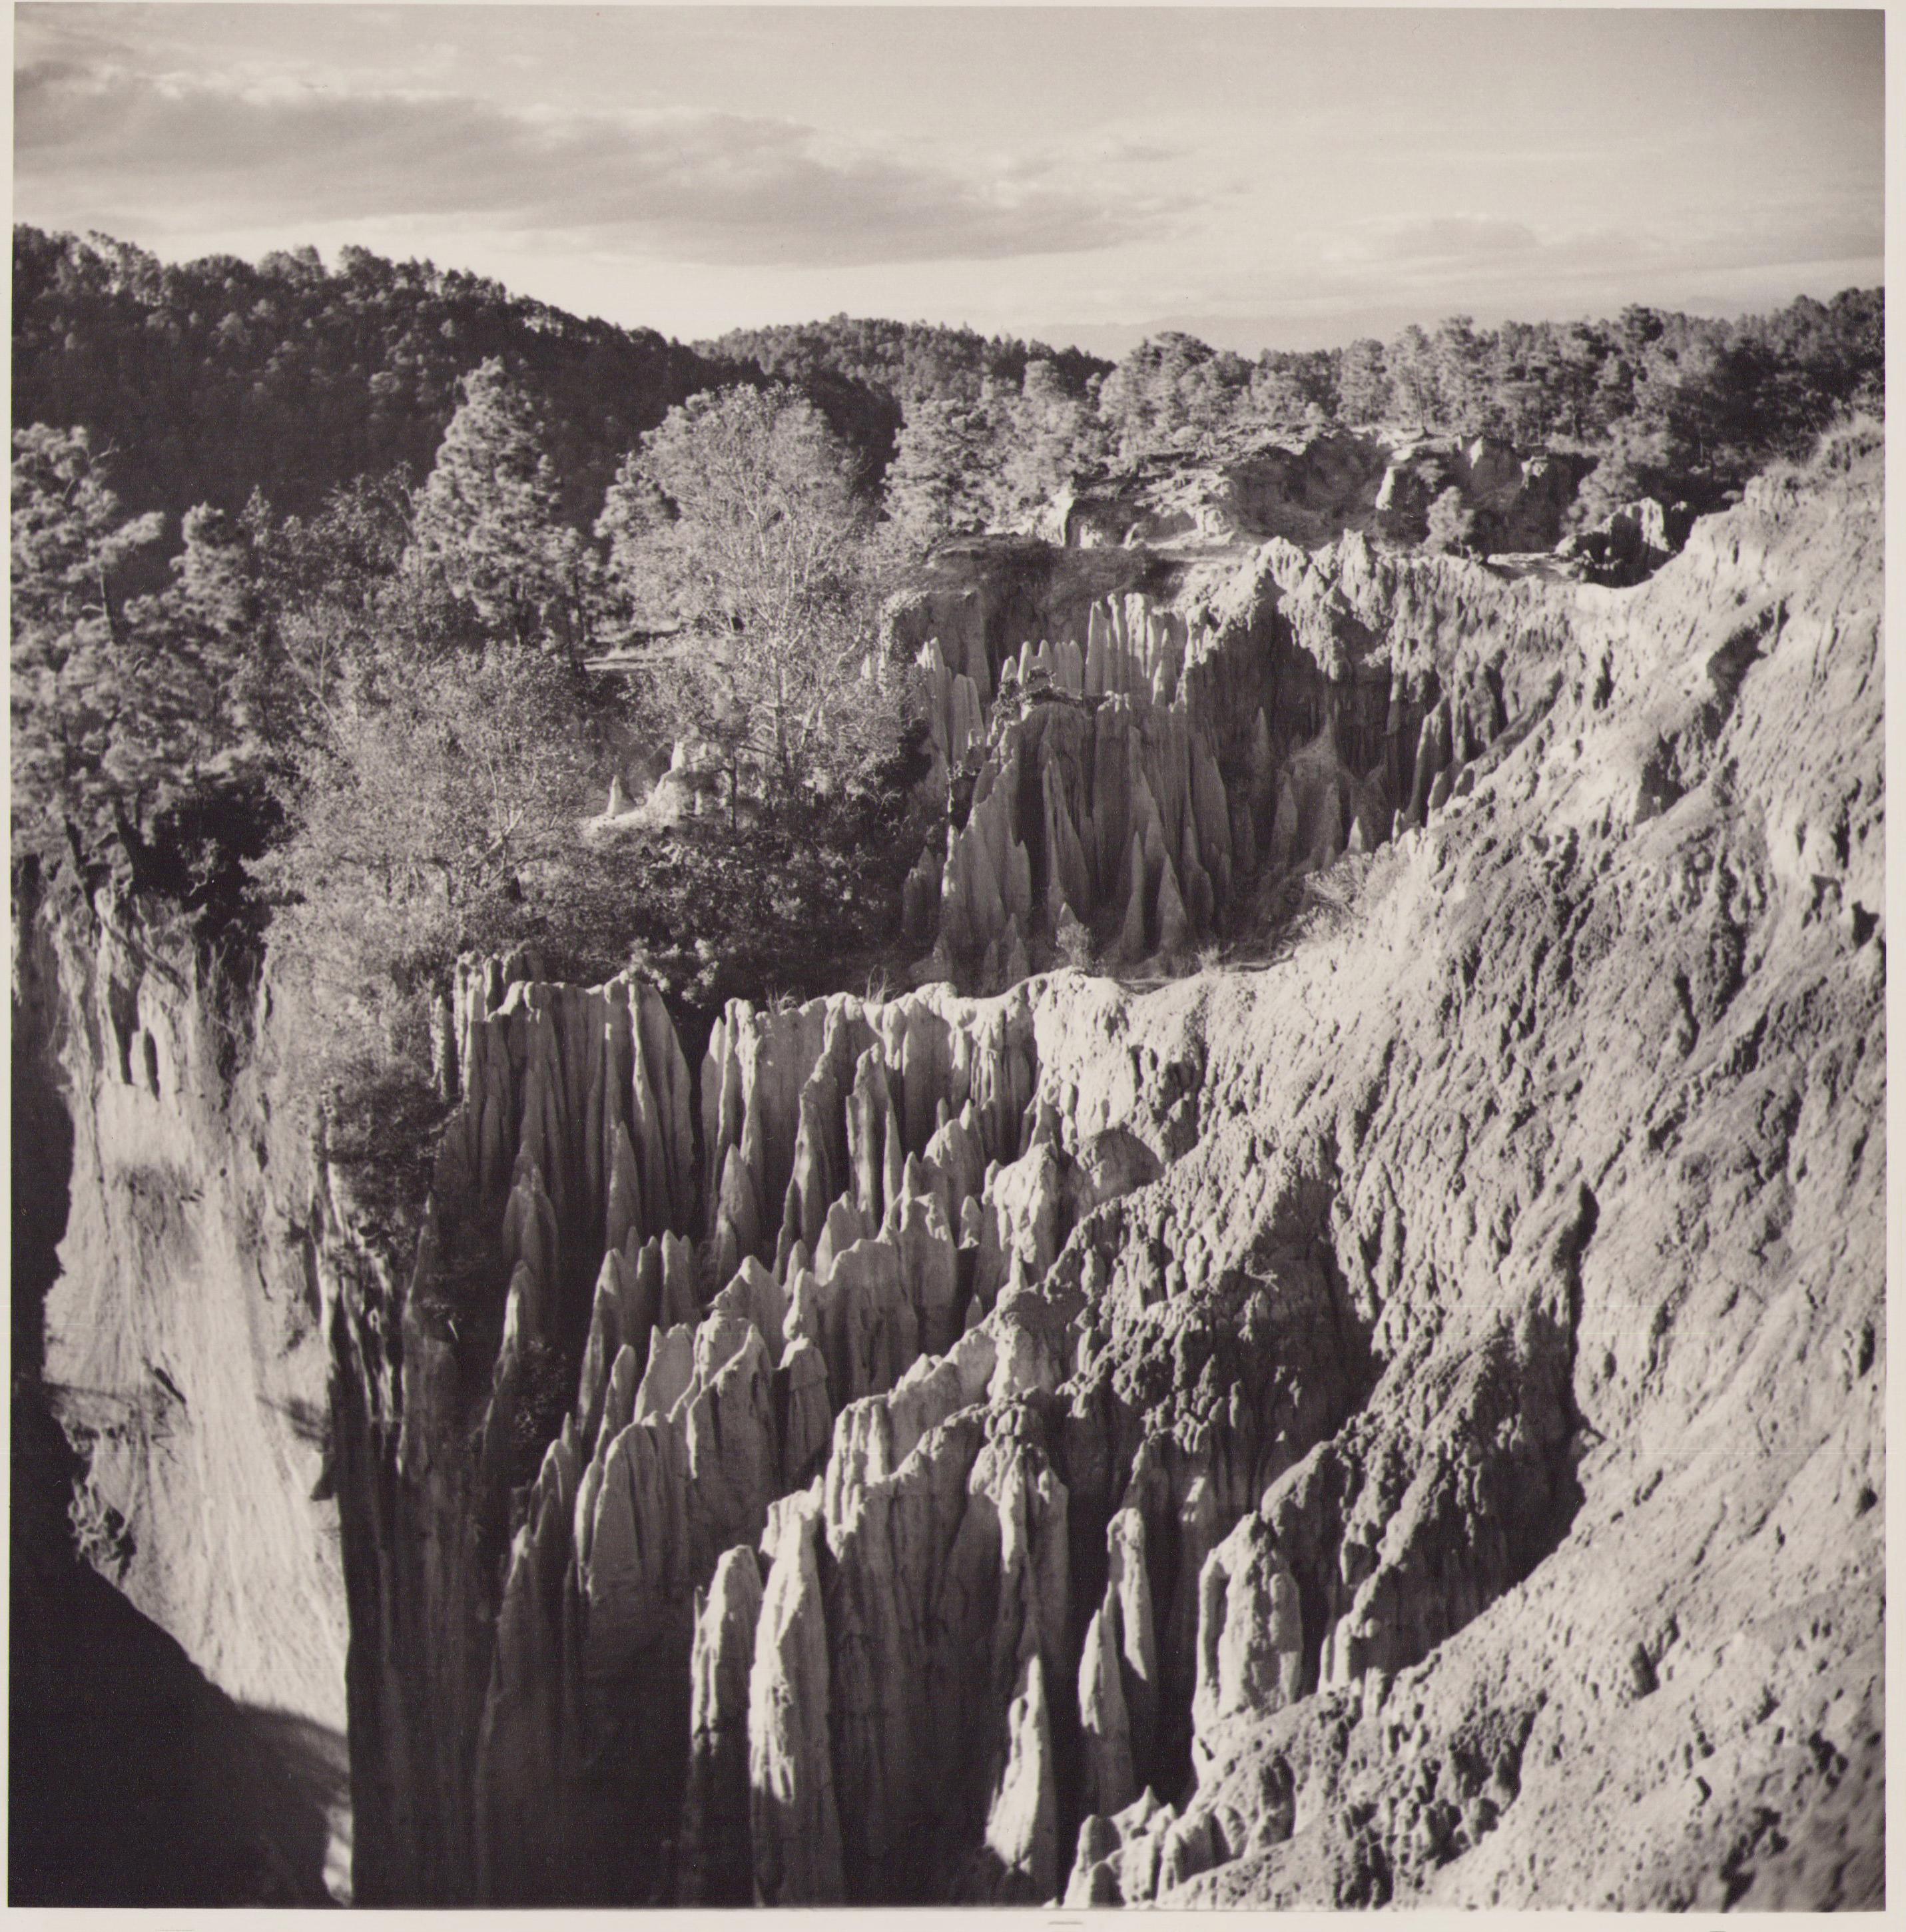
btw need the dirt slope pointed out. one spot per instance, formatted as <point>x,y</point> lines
<point>1643,966</point>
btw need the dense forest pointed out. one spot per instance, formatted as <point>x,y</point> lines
<point>1671,405</point>
<point>904,367</point>
<point>208,380</point>
<point>309,566</point>
<point>212,379</point>
<point>374,726</point>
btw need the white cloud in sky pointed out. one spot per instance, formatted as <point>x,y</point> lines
<point>1310,174</point>
<point>696,184</point>
<point>1440,238</point>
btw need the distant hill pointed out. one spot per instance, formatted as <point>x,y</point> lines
<point>211,378</point>
<point>900,363</point>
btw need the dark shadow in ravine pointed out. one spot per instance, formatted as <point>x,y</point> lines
<point>132,1780</point>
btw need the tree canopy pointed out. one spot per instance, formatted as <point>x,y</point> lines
<point>489,518</point>
<point>739,515</point>
<point>312,560</point>
<point>218,377</point>
<point>123,708</point>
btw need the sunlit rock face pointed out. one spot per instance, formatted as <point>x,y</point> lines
<point>1394,1424</point>
<point>1234,1442</point>
<point>1130,771</point>
<point>1314,489</point>
<point>168,1211</point>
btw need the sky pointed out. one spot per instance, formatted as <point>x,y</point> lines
<point>1263,177</point>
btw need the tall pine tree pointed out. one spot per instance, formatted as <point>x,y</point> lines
<point>489,518</point>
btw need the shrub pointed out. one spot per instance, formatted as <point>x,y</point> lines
<point>1453,524</point>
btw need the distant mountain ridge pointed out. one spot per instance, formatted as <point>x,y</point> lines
<point>212,378</point>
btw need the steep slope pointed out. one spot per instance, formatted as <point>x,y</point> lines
<point>184,1350</point>
<point>1413,1410</point>
<point>189,1398</point>
<point>1137,751</point>
<point>1609,1081</point>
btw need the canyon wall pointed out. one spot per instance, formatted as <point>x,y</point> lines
<point>1400,1423</point>
<point>1131,770</point>
<point>1619,1035</point>
<point>185,1350</point>
<point>1404,1422</point>
<point>1312,489</point>
<point>167,1315</point>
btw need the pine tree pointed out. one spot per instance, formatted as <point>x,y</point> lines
<point>489,517</point>
<point>634,513</point>
<point>1050,435</point>
<point>1364,382</point>
<point>1171,390</point>
<point>75,693</point>
<point>943,480</point>
<point>1460,358</point>
<point>125,710</point>
<point>1411,362</point>
<point>1290,392</point>
<point>1454,524</point>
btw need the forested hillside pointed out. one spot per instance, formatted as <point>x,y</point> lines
<point>903,368</point>
<point>210,379</point>
<point>1672,406</point>
<point>309,564</point>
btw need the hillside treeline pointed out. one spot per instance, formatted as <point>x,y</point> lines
<point>208,380</point>
<point>212,379</point>
<point>1672,406</point>
<point>373,728</point>
<point>310,566</point>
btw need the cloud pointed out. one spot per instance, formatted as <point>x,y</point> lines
<point>1443,238</point>
<point>695,185</point>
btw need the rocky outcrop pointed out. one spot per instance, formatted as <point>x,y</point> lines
<point>1250,1631</point>
<point>1472,1740</point>
<point>1313,490</point>
<point>184,1350</point>
<point>1629,544</point>
<point>1166,1447</point>
<point>1129,790</point>
<point>136,1780</point>
<point>868,1400</point>
<point>851,1140</point>
<point>1398,1424</point>
<point>1518,503</point>
<point>715,1829</point>
<point>794,1818</point>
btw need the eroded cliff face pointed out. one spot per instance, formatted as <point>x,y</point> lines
<point>1609,1087</point>
<point>184,1346</point>
<point>181,1348</point>
<point>1311,490</point>
<point>1403,1421</point>
<point>1131,771</point>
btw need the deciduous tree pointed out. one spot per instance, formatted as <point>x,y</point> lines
<point>763,552</point>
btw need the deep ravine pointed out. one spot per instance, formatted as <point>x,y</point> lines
<point>1398,1422</point>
